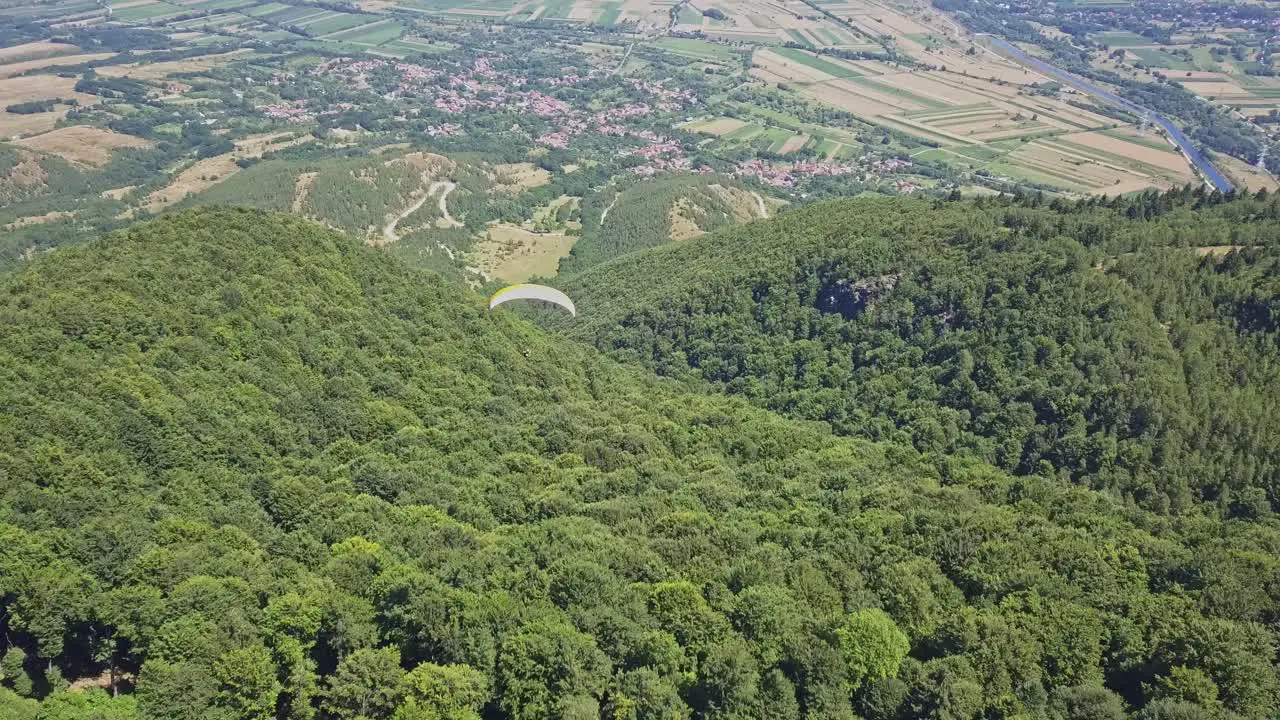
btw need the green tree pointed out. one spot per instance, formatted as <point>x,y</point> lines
<point>367,684</point>
<point>872,645</point>
<point>544,663</point>
<point>1186,684</point>
<point>1089,703</point>
<point>13,671</point>
<point>179,691</point>
<point>443,692</point>
<point>247,684</point>
<point>644,694</point>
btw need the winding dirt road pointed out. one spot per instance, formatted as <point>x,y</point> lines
<point>444,208</point>
<point>389,230</point>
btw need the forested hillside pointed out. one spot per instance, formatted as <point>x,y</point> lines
<point>1128,345</point>
<point>253,469</point>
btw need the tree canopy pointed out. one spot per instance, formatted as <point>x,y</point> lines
<point>255,469</point>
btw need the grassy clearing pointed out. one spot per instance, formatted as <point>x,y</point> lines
<point>799,37</point>
<point>1159,58</point>
<point>935,155</point>
<point>744,134</point>
<point>372,34</point>
<point>775,116</point>
<point>689,15</point>
<point>218,4</point>
<point>151,11</point>
<point>983,153</point>
<point>405,47</point>
<point>557,10</point>
<point>334,24</point>
<point>1120,39</point>
<point>775,137</point>
<point>610,14</point>
<point>288,15</point>
<point>817,63</point>
<point>1204,59</point>
<point>265,9</point>
<point>212,21</point>
<point>699,49</point>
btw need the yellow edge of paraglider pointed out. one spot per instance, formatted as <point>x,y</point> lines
<point>564,301</point>
<point>506,290</point>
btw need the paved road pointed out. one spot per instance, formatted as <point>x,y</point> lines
<point>1205,167</point>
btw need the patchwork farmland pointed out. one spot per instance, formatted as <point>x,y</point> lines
<point>983,123</point>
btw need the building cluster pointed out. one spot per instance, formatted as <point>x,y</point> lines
<point>787,175</point>
<point>457,88</point>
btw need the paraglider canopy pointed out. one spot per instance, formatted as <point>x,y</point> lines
<point>527,291</point>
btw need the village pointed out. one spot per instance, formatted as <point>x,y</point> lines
<point>488,98</point>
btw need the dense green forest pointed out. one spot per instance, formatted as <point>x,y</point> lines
<point>1090,341</point>
<point>254,469</point>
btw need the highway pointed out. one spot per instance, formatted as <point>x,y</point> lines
<point>1201,163</point>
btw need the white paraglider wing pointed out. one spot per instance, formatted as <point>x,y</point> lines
<point>528,291</point>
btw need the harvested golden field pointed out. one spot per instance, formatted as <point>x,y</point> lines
<point>1245,175</point>
<point>900,102</point>
<point>161,70</point>
<point>33,50</point>
<point>680,218</point>
<point>38,219</point>
<point>513,254</point>
<point>82,144</point>
<point>991,131</point>
<point>1081,172</point>
<point>766,76</point>
<point>926,86</point>
<point>37,87</point>
<point>1212,88</point>
<point>1167,158</point>
<point>844,99</point>
<point>118,193</point>
<point>518,177</point>
<point>787,68</point>
<point>985,65</point>
<point>17,68</point>
<point>204,174</point>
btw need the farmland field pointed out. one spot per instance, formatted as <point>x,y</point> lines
<point>146,11</point>
<point>217,4</point>
<point>513,254</point>
<point>371,34</point>
<point>261,9</point>
<point>1120,39</point>
<point>1159,58</point>
<point>84,145</point>
<point>833,68</point>
<point>699,49</point>
<point>331,23</point>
